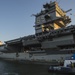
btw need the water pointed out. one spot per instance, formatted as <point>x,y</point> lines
<point>15,68</point>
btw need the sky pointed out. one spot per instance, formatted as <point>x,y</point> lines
<point>16,20</point>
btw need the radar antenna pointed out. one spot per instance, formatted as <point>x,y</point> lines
<point>33,15</point>
<point>68,10</point>
<point>58,1</point>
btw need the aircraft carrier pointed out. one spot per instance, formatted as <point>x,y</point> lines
<point>53,39</point>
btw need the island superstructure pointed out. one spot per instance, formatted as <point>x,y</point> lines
<point>53,39</point>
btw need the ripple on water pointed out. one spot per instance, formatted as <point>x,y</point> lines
<point>10,74</point>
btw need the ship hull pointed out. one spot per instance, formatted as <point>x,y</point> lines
<point>35,58</point>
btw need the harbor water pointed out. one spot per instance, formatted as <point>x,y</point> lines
<point>15,68</point>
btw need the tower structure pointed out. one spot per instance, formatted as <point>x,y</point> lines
<point>51,18</point>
